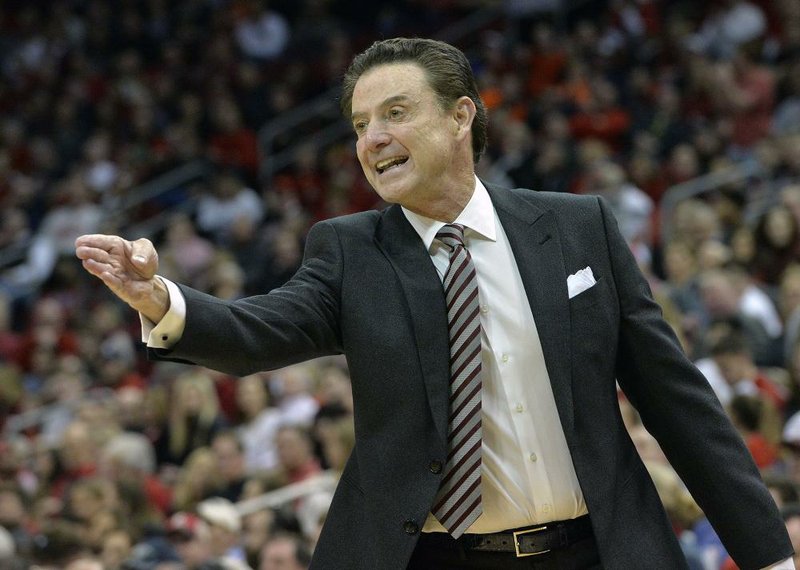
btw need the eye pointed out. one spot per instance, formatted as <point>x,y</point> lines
<point>360,127</point>
<point>396,112</point>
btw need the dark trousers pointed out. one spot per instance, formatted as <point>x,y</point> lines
<point>441,552</point>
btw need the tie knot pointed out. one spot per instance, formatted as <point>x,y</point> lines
<point>451,235</point>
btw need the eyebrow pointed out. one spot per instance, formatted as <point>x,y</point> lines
<point>385,103</point>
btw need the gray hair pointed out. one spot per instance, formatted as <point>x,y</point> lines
<point>133,450</point>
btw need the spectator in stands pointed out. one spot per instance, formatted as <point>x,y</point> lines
<point>190,537</point>
<point>77,454</point>
<point>75,213</point>
<point>230,464</point>
<point>261,33</point>
<point>680,268</point>
<point>94,505</point>
<point>749,414</point>
<point>15,515</point>
<point>196,480</point>
<point>256,530</point>
<point>285,552</point>
<point>186,254</point>
<point>735,360</point>
<point>229,199</point>
<point>728,25</point>
<point>129,459</point>
<point>336,439</point>
<point>334,386</point>
<point>722,302</point>
<point>295,454</point>
<point>232,144</point>
<point>194,418</point>
<point>258,425</point>
<point>602,117</point>
<point>746,93</point>
<point>116,549</point>
<point>292,387</point>
<point>777,244</point>
<point>225,525</point>
<point>632,207</point>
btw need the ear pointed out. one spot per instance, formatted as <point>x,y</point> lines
<point>463,115</point>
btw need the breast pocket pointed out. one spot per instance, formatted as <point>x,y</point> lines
<point>591,296</point>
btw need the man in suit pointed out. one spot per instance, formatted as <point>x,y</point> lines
<point>556,312</point>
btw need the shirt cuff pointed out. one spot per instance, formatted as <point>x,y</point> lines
<point>787,564</point>
<point>169,329</point>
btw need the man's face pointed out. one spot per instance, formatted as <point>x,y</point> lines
<point>732,367</point>
<point>406,141</point>
<point>279,554</point>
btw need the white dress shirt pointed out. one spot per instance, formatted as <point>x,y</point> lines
<point>527,477</point>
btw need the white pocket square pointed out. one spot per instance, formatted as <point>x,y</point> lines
<point>580,281</point>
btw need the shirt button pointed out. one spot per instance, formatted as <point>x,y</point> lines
<point>519,409</point>
<point>533,457</point>
<point>484,309</point>
<point>546,508</point>
<point>504,358</point>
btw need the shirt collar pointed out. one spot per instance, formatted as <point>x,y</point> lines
<point>477,215</point>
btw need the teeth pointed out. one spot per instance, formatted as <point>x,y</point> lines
<point>389,162</point>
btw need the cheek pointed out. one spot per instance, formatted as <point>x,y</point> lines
<point>361,153</point>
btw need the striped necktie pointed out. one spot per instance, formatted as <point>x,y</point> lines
<point>458,502</point>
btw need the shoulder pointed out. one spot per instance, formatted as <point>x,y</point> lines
<point>575,207</point>
<point>347,230</point>
<point>556,200</point>
<point>353,222</point>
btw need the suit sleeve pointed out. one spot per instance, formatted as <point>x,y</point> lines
<point>679,409</point>
<point>293,323</point>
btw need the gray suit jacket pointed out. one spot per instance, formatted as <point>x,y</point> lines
<point>367,288</point>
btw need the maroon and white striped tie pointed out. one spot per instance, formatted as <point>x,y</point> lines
<point>458,502</point>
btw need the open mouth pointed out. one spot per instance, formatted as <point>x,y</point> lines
<point>390,163</point>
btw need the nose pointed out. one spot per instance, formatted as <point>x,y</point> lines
<point>376,137</point>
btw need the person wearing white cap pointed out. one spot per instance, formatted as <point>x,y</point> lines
<point>225,524</point>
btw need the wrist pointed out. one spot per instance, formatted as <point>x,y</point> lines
<point>156,304</point>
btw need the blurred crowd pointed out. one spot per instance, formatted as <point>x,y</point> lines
<point>110,461</point>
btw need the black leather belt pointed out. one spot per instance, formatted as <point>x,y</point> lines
<point>530,541</point>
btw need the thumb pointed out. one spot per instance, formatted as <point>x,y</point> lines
<point>144,257</point>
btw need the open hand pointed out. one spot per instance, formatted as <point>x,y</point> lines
<point>128,268</point>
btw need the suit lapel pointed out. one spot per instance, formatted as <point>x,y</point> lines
<point>401,245</point>
<point>534,238</point>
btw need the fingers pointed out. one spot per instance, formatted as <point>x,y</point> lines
<point>104,272</point>
<point>141,254</point>
<point>98,241</point>
<point>144,257</point>
<point>98,247</point>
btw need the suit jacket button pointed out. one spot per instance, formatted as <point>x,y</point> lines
<point>435,467</point>
<point>411,527</point>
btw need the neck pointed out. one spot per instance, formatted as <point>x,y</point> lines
<point>446,204</point>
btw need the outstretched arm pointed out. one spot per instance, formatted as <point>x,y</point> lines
<point>128,269</point>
